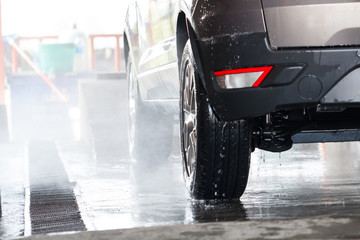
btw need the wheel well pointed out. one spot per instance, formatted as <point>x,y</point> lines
<point>126,48</point>
<point>181,35</point>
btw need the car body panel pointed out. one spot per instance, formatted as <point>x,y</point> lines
<point>233,34</point>
<point>152,41</point>
<point>212,18</point>
<point>283,88</point>
<point>152,44</point>
<point>312,23</point>
<point>346,91</point>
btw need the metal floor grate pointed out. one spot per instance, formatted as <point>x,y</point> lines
<point>53,205</point>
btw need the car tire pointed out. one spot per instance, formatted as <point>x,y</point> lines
<point>215,153</point>
<point>150,131</point>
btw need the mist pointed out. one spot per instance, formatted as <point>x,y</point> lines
<point>68,128</point>
<point>66,99</point>
<point>68,161</point>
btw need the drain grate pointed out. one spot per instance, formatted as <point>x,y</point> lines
<point>53,205</point>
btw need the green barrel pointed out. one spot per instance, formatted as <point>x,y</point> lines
<point>57,57</point>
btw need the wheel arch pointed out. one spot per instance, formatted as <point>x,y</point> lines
<point>182,35</point>
<point>185,32</point>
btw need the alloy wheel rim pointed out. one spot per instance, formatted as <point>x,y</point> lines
<point>189,118</point>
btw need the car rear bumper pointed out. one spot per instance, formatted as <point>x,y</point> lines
<point>301,77</point>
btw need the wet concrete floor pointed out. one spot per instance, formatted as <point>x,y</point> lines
<point>113,191</point>
<point>310,180</point>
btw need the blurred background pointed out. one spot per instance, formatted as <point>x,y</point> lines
<point>35,23</point>
<point>49,47</point>
<point>62,93</point>
<point>64,143</point>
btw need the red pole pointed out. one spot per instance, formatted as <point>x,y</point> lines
<point>4,126</point>
<point>2,75</point>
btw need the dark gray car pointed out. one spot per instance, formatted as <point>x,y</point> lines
<point>241,74</point>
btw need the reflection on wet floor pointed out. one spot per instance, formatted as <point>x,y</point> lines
<point>115,191</point>
<point>12,191</point>
<point>309,180</point>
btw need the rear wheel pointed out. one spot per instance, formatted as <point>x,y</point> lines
<point>150,130</point>
<point>216,154</point>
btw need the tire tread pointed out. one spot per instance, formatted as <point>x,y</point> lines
<point>223,149</point>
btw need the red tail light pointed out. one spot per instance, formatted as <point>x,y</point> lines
<point>243,77</point>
